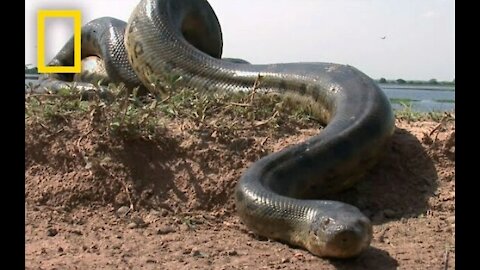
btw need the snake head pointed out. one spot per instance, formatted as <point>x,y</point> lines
<point>338,230</point>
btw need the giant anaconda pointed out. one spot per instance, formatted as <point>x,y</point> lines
<point>279,196</point>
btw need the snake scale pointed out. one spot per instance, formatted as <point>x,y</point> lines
<point>279,196</point>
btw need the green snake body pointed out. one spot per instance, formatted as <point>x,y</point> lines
<point>279,195</point>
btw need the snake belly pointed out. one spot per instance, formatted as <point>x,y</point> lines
<point>279,196</point>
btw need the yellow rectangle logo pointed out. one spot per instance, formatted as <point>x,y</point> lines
<point>77,25</point>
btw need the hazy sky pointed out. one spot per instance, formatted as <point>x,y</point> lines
<point>419,35</point>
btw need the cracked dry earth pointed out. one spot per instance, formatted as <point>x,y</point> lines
<point>95,202</point>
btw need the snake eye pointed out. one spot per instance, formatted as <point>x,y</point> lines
<point>324,223</point>
<point>322,226</point>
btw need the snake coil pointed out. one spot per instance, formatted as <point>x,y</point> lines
<point>278,196</point>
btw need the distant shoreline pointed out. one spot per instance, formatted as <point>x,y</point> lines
<point>417,83</point>
<point>427,87</point>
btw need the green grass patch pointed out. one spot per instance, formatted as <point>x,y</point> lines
<point>445,100</point>
<point>402,100</point>
<point>408,114</point>
<point>131,116</point>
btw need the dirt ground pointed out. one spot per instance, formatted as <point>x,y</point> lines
<point>94,202</point>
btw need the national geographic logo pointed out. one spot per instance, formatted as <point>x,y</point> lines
<point>77,24</point>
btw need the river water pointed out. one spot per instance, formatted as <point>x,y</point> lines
<point>419,98</point>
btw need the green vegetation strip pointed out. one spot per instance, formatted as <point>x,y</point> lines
<point>408,114</point>
<point>131,116</point>
<point>402,100</point>
<point>445,100</point>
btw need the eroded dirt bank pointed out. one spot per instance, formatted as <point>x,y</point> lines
<point>80,184</point>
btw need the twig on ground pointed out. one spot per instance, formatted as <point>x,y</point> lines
<point>261,123</point>
<point>55,133</point>
<point>436,130</point>
<point>43,126</point>
<point>255,86</point>
<point>445,259</point>
<point>240,104</point>
<point>264,141</point>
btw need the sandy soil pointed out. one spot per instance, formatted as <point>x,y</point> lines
<point>98,202</point>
